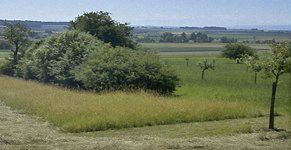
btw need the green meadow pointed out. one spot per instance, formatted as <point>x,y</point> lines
<point>228,92</point>
<point>194,47</point>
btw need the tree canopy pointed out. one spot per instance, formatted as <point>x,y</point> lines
<point>102,26</point>
<point>16,35</point>
<point>237,51</point>
<point>77,59</point>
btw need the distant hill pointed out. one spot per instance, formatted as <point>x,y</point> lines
<point>39,25</point>
<point>265,27</point>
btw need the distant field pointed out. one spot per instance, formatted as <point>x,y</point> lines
<point>193,48</point>
<point>251,36</point>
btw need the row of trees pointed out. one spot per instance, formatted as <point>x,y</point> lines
<point>96,54</point>
<point>199,37</point>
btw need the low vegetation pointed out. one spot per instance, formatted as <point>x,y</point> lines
<point>76,111</point>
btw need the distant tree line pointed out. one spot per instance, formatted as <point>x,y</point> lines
<point>199,37</point>
<point>228,40</point>
<point>273,41</point>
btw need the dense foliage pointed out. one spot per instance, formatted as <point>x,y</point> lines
<point>102,26</point>
<point>16,35</point>
<point>200,37</point>
<point>237,51</point>
<point>120,68</point>
<point>77,59</point>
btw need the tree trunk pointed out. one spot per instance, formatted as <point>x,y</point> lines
<point>255,77</point>
<point>202,75</point>
<point>15,54</point>
<point>272,108</point>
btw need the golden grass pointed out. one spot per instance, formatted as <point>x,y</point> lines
<point>78,111</point>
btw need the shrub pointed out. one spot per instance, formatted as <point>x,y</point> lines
<point>54,59</point>
<point>77,59</point>
<point>7,68</point>
<point>237,51</point>
<point>121,68</point>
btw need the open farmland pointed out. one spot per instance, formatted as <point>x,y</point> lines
<point>194,48</point>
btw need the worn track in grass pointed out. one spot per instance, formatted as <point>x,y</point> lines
<point>20,131</point>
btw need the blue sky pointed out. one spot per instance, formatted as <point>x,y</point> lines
<point>156,12</point>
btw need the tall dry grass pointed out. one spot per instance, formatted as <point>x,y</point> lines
<point>77,111</point>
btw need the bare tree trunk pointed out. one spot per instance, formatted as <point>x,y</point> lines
<point>15,54</point>
<point>202,75</point>
<point>272,108</point>
<point>255,77</point>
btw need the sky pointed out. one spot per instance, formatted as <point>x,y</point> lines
<point>156,12</point>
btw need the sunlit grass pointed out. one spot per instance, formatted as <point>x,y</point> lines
<point>229,81</point>
<point>76,111</point>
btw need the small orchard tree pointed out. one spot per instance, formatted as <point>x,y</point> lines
<point>187,61</point>
<point>253,64</point>
<point>205,65</point>
<point>237,51</point>
<point>274,66</point>
<point>16,35</point>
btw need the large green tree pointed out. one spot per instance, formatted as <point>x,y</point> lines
<point>102,26</point>
<point>16,35</point>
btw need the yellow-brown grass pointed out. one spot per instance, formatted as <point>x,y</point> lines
<point>77,111</point>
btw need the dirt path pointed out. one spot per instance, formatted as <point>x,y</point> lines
<point>20,131</point>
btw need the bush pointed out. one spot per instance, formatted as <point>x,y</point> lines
<point>237,51</point>
<point>121,68</point>
<point>54,59</point>
<point>77,59</point>
<point>7,68</point>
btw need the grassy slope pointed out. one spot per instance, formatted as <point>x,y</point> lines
<point>82,111</point>
<point>229,86</point>
<point>228,82</point>
<point>20,131</point>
